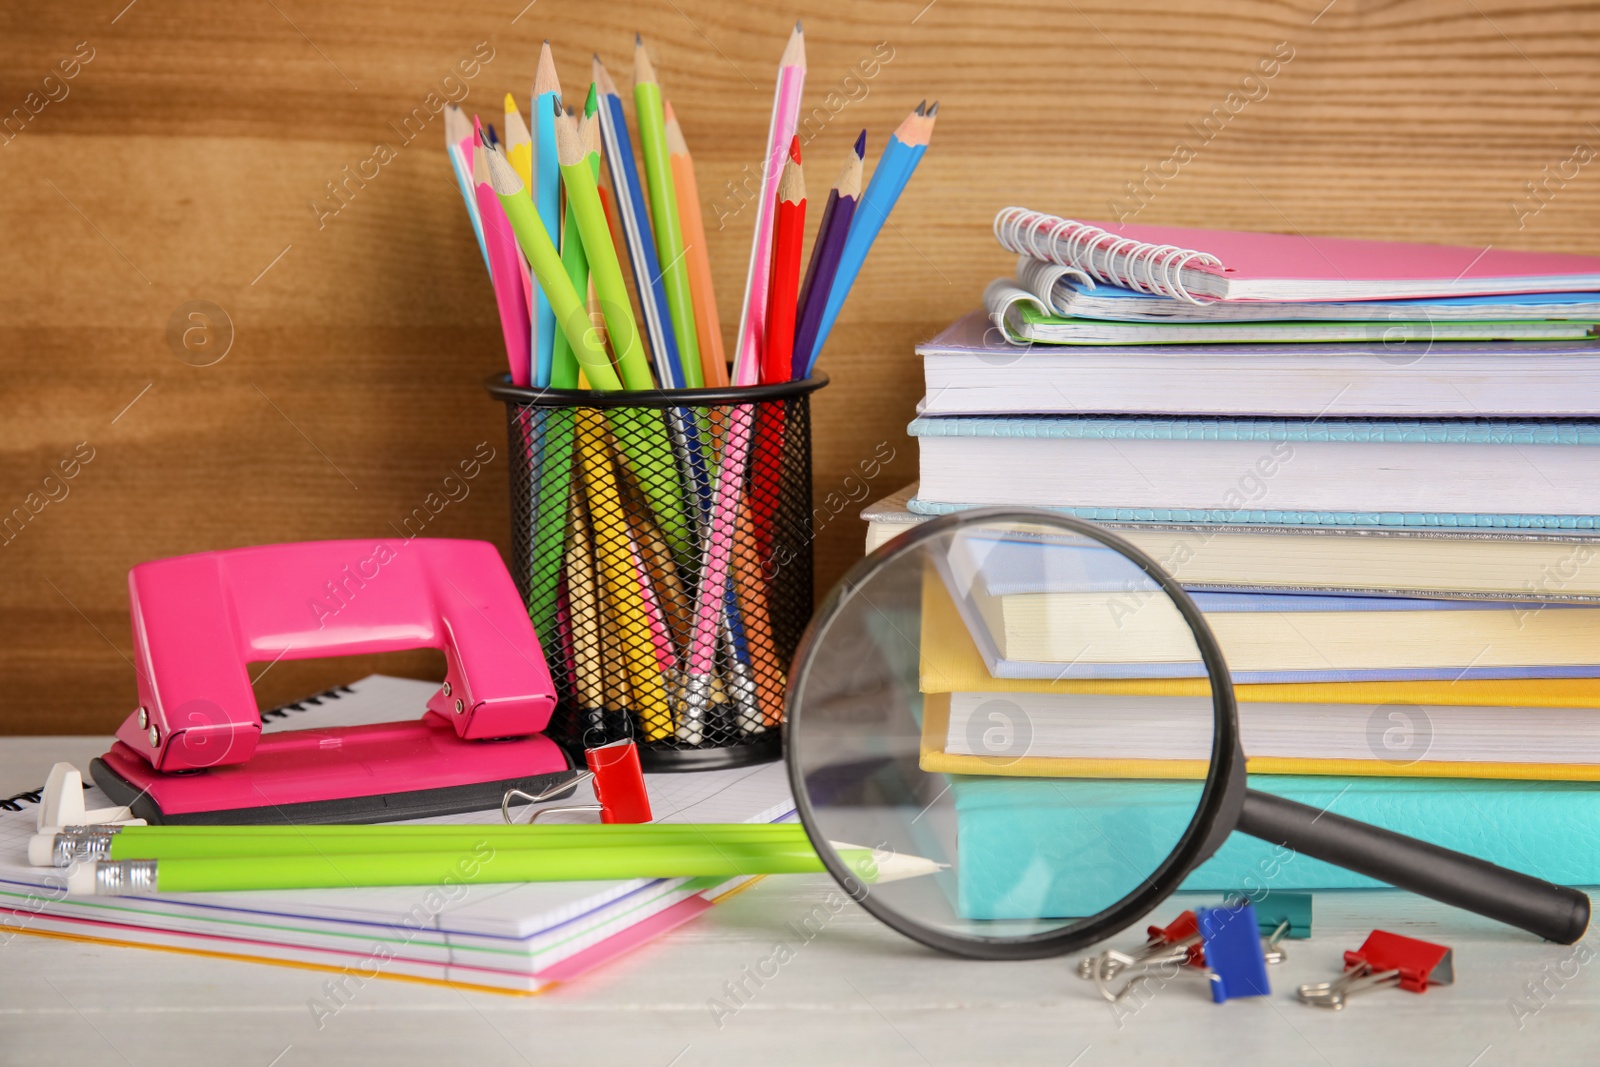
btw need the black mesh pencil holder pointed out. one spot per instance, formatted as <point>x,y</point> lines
<point>662,543</point>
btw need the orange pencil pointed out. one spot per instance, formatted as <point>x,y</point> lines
<point>708,327</point>
<point>750,587</point>
<point>788,234</point>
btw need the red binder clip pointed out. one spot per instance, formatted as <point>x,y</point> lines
<point>618,786</point>
<point>1384,959</point>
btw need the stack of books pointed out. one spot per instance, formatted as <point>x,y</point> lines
<point>1376,468</point>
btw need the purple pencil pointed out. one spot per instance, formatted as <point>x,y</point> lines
<point>831,232</point>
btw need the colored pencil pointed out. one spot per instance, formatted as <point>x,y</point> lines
<point>785,114</point>
<point>889,178</point>
<point>504,270</point>
<point>571,315</point>
<point>630,205</point>
<point>546,186</point>
<point>483,865</point>
<point>458,129</point>
<point>588,681</point>
<point>676,602</point>
<point>825,252</point>
<point>519,142</point>
<point>563,367</point>
<point>750,581</point>
<point>647,105</point>
<point>639,429</point>
<point>739,677</point>
<point>583,200</point>
<point>618,578</point>
<point>788,236</point>
<point>225,842</point>
<point>708,326</point>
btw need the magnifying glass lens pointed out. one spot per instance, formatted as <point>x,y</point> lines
<point>1003,728</point>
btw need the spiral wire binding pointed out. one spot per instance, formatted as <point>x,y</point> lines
<point>34,796</point>
<point>1138,265</point>
<point>282,711</point>
<point>15,801</point>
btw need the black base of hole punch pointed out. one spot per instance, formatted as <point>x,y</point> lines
<point>381,807</point>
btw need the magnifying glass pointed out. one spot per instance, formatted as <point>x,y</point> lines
<point>1036,707</point>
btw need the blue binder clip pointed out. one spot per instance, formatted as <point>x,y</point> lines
<point>1235,961</point>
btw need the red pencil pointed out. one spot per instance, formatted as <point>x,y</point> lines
<point>788,234</point>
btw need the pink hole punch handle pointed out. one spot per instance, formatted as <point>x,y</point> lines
<point>199,620</point>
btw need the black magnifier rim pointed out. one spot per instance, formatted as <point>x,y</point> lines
<point>1213,819</point>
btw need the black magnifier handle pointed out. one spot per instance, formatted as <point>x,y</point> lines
<point>1553,912</point>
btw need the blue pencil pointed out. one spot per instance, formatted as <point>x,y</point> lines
<point>889,178</point>
<point>636,227</point>
<point>457,128</point>
<point>547,199</point>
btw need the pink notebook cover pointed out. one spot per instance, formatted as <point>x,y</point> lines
<point>1342,261</point>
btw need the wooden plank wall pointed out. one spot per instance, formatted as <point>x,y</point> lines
<point>170,151</point>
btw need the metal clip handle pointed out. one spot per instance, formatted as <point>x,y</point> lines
<point>543,795</point>
<point>1137,967</point>
<point>1359,979</point>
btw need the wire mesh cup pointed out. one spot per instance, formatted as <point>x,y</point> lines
<point>661,541</point>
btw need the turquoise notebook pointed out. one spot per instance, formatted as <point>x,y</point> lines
<point>1036,847</point>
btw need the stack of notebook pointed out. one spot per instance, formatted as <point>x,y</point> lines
<point>1375,468</point>
<point>506,938</point>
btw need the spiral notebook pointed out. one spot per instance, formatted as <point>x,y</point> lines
<point>502,938</point>
<point>1198,265</point>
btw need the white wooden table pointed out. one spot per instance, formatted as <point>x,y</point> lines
<point>856,993</point>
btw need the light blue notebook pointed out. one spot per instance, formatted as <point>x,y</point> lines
<point>1555,443</point>
<point>1034,847</point>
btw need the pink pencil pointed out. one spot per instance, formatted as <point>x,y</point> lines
<point>467,149</point>
<point>719,555</point>
<point>505,265</point>
<point>785,115</point>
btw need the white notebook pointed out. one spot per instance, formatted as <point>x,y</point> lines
<point>517,937</point>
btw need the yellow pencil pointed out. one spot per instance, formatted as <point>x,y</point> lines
<point>619,581</point>
<point>519,143</point>
<point>583,610</point>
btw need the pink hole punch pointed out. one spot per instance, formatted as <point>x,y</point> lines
<point>193,752</point>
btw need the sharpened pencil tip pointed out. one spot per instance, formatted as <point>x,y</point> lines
<point>861,144</point>
<point>933,109</point>
<point>798,28</point>
<point>638,41</point>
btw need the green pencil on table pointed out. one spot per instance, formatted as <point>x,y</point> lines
<point>211,862</point>
<point>216,842</point>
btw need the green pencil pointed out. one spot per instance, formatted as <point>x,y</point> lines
<point>564,372</point>
<point>570,312</point>
<point>218,842</point>
<point>557,436</point>
<point>483,864</point>
<point>664,213</point>
<point>641,434</point>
